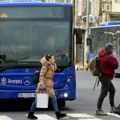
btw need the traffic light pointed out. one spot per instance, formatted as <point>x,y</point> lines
<point>78,33</point>
<point>78,39</point>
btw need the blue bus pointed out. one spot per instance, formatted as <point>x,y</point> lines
<point>108,32</point>
<point>29,30</point>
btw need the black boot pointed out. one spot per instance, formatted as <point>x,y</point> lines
<point>60,115</point>
<point>31,115</point>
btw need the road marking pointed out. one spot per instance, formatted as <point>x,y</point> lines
<point>83,116</point>
<point>91,119</point>
<point>115,115</point>
<point>77,116</point>
<point>4,117</point>
<point>45,117</point>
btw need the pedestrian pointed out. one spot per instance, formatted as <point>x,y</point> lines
<point>108,64</point>
<point>87,65</point>
<point>46,84</point>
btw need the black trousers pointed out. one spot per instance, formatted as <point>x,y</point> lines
<point>106,86</point>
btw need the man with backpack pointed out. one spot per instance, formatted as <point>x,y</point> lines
<point>108,64</point>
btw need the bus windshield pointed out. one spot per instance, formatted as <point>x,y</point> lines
<point>103,35</point>
<point>27,39</point>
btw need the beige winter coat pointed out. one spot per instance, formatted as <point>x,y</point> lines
<point>46,75</point>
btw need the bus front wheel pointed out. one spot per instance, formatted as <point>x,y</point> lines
<point>61,103</point>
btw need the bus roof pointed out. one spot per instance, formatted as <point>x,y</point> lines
<point>31,3</point>
<point>108,24</point>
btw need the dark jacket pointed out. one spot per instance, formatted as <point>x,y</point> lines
<point>108,64</point>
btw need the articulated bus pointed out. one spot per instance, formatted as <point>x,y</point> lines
<point>108,32</point>
<point>28,31</point>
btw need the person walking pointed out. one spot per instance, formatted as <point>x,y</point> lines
<point>46,84</point>
<point>108,64</point>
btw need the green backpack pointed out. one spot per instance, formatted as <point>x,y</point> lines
<point>95,66</point>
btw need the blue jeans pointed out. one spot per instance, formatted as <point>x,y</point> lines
<point>54,104</point>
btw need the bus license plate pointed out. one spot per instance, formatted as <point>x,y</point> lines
<point>26,95</point>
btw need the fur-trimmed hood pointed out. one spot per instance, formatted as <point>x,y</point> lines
<point>44,62</point>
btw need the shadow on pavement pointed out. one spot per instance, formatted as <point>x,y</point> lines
<point>22,105</point>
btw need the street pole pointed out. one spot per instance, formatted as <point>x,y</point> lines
<point>87,35</point>
<point>74,35</point>
<point>87,21</point>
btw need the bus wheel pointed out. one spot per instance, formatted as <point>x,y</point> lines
<point>117,75</point>
<point>61,103</point>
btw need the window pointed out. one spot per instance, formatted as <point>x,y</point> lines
<point>70,1</point>
<point>117,0</point>
<point>79,7</point>
<point>90,6</point>
<point>23,12</point>
<point>32,39</point>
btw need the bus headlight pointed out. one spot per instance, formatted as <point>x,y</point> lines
<point>65,95</point>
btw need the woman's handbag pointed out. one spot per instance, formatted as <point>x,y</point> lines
<point>42,100</point>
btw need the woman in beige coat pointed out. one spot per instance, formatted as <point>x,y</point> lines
<point>46,84</point>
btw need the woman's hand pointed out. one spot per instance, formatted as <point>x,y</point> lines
<point>41,85</point>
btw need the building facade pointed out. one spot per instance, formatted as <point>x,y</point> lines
<point>106,10</point>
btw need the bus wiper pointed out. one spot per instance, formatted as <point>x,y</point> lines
<point>28,61</point>
<point>6,66</point>
<point>60,53</point>
<point>16,61</point>
<point>11,61</point>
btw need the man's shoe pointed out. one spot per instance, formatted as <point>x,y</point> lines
<point>112,109</point>
<point>61,115</point>
<point>100,113</point>
<point>31,116</point>
<point>117,110</point>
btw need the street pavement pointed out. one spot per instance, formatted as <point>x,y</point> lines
<point>83,108</point>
